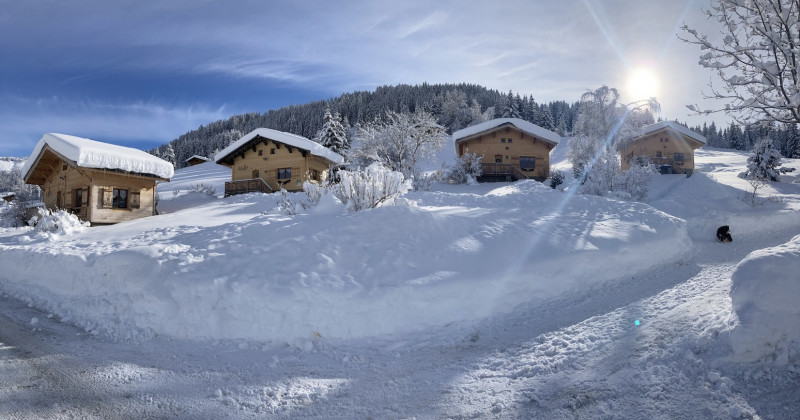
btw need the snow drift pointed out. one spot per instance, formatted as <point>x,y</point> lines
<point>229,269</point>
<point>765,290</point>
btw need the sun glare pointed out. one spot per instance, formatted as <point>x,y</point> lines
<point>642,84</point>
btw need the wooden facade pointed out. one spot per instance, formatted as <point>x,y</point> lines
<point>273,165</point>
<point>99,196</point>
<point>671,150</point>
<point>509,153</point>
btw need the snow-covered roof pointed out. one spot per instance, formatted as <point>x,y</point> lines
<point>94,154</point>
<point>289,139</point>
<point>652,128</point>
<point>520,124</point>
<point>198,157</point>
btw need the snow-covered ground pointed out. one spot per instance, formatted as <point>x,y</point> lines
<point>492,300</point>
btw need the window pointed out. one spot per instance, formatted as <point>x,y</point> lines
<point>658,154</point>
<point>78,198</point>
<point>498,158</point>
<point>260,152</point>
<point>285,173</point>
<point>527,163</point>
<point>678,157</point>
<point>509,140</point>
<point>120,199</point>
<point>314,175</point>
<point>272,151</point>
<point>502,140</point>
<point>255,174</point>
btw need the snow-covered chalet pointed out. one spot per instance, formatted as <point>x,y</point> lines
<point>512,148</point>
<point>668,145</point>
<point>267,160</point>
<point>196,160</point>
<point>99,182</point>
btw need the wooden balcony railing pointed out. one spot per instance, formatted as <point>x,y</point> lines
<point>245,186</point>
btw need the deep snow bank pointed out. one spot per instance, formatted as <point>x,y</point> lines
<point>256,275</point>
<point>765,291</point>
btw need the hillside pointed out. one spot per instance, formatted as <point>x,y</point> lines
<point>507,300</point>
<point>455,106</point>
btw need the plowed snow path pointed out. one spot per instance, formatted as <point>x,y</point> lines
<point>575,357</point>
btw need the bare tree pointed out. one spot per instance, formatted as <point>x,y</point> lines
<point>757,59</point>
<point>400,141</point>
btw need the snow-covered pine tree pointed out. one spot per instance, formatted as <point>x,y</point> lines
<point>511,106</point>
<point>333,135</point>
<point>169,154</point>
<point>764,161</point>
<point>792,141</point>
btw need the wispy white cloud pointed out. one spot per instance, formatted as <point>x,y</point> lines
<point>139,124</point>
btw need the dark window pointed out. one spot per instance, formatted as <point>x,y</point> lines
<point>527,163</point>
<point>285,173</point>
<point>255,174</point>
<point>260,152</point>
<point>120,199</point>
<point>78,198</point>
<point>658,154</point>
<point>272,151</point>
<point>502,140</point>
<point>315,175</point>
<point>678,157</point>
<point>509,140</point>
<point>498,158</point>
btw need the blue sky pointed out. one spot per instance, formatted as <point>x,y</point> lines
<point>141,73</point>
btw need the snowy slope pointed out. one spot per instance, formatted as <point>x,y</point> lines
<point>588,308</point>
<point>458,257</point>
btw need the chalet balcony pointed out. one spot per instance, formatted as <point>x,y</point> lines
<point>504,171</point>
<point>245,186</point>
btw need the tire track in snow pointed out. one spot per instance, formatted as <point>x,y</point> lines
<point>62,386</point>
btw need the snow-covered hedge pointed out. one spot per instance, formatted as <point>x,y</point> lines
<point>374,186</point>
<point>765,292</point>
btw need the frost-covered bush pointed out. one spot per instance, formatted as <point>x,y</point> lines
<point>313,191</point>
<point>764,161</point>
<point>605,178</point>
<point>12,214</point>
<point>466,167</point>
<point>556,178</point>
<point>424,182</point>
<point>635,181</point>
<point>59,222</point>
<point>374,186</point>
<point>203,188</point>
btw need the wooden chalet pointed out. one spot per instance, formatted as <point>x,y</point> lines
<point>267,160</point>
<point>512,148</point>
<point>668,145</point>
<point>99,182</point>
<point>196,160</point>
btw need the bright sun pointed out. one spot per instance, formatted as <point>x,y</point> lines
<point>642,84</point>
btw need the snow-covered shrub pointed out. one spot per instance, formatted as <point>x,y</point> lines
<point>374,186</point>
<point>422,181</point>
<point>764,161</point>
<point>466,167</point>
<point>635,181</point>
<point>313,192</point>
<point>12,214</point>
<point>59,222</point>
<point>605,178</point>
<point>556,178</point>
<point>203,188</point>
<point>599,178</point>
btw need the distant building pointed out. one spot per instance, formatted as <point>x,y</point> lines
<point>511,148</point>
<point>267,160</point>
<point>100,182</point>
<point>7,195</point>
<point>668,145</point>
<point>196,160</point>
